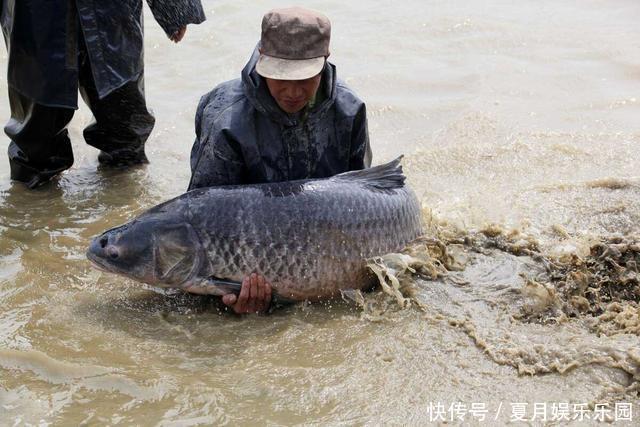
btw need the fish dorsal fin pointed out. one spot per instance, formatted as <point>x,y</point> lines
<point>383,177</point>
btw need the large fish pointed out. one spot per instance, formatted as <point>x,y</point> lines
<point>309,238</point>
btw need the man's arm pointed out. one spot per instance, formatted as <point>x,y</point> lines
<point>216,158</point>
<point>215,162</point>
<point>174,15</point>
<point>360,156</point>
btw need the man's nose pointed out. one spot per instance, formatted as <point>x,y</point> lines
<point>294,90</point>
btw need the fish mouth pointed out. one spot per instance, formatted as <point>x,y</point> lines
<point>98,262</point>
<point>101,264</point>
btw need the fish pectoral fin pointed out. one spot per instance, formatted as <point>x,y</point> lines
<point>220,287</point>
<point>211,286</point>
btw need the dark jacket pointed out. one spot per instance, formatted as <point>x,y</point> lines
<point>42,41</point>
<point>243,137</point>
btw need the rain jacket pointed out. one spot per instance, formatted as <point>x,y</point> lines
<point>243,137</point>
<point>42,41</point>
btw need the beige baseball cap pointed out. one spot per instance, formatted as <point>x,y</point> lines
<point>294,43</point>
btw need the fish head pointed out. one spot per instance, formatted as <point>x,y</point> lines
<point>155,251</point>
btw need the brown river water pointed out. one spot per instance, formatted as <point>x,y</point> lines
<point>520,126</point>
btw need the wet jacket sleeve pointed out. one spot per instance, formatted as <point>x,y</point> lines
<point>360,156</point>
<point>215,156</point>
<point>174,14</point>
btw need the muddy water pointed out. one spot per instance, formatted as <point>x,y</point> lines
<point>524,116</point>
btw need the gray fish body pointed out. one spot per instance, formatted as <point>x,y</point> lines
<point>309,238</point>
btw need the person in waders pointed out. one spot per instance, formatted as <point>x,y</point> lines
<point>56,47</point>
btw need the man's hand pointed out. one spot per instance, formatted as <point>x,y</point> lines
<point>255,296</point>
<point>178,35</point>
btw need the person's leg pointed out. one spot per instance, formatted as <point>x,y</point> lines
<point>40,148</point>
<point>122,122</point>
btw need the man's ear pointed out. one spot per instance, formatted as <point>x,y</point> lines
<point>260,50</point>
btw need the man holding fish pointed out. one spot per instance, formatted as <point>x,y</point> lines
<point>287,118</point>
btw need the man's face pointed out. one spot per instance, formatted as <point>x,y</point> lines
<point>292,95</point>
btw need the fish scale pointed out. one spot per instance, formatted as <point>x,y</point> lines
<point>309,238</point>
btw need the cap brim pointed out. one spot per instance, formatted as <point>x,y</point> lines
<point>289,69</point>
